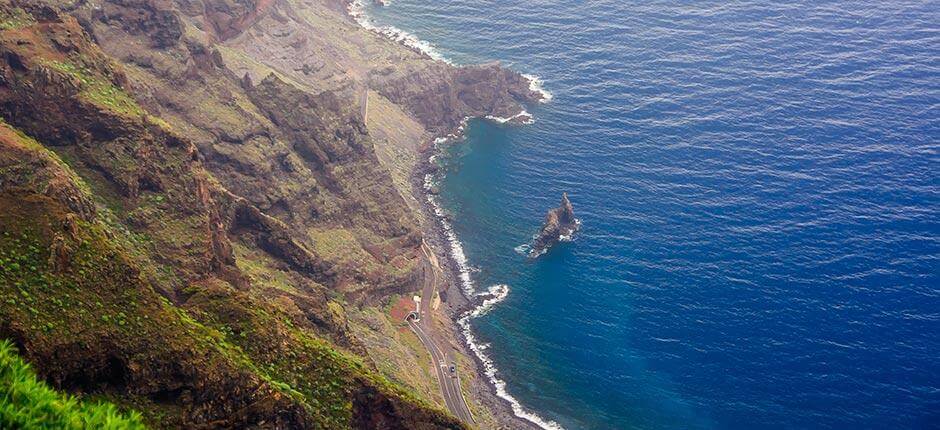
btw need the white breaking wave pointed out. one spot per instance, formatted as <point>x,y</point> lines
<point>493,296</point>
<point>526,248</point>
<point>536,254</point>
<point>456,248</point>
<point>523,116</point>
<point>535,84</point>
<point>357,10</point>
<point>570,236</point>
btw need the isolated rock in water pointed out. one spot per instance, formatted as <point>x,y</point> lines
<point>560,224</point>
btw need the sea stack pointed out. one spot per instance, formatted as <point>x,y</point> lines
<point>560,224</point>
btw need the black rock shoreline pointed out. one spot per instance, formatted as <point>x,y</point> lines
<point>458,304</point>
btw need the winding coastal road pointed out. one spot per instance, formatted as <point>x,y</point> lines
<point>421,323</point>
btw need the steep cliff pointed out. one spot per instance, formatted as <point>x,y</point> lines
<point>303,158</point>
<point>130,271</point>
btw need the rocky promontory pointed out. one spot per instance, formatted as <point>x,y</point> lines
<point>560,224</point>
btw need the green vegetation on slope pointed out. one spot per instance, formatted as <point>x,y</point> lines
<point>66,281</point>
<point>15,18</point>
<point>28,403</point>
<point>116,277</point>
<point>98,90</point>
<point>308,368</point>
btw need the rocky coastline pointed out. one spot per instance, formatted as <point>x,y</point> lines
<point>459,303</point>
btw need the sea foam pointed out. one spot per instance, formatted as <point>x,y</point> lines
<point>536,84</point>
<point>357,10</point>
<point>523,117</point>
<point>492,297</point>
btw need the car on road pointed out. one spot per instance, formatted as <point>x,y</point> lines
<point>453,370</point>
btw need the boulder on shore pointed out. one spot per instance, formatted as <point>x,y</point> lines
<point>560,224</point>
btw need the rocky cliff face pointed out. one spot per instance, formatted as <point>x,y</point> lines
<point>303,158</point>
<point>441,96</point>
<point>129,270</point>
<point>560,224</point>
<point>314,43</point>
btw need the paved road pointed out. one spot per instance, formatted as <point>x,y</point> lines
<point>450,385</point>
<point>421,323</point>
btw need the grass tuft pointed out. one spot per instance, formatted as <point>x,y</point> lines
<point>99,90</point>
<point>15,18</point>
<point>28,403</point>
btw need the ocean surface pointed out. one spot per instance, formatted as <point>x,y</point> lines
<point>759,189</point>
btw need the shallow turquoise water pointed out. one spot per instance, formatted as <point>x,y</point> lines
<point>758,188</point>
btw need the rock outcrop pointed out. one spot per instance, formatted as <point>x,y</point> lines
<point>441,96</point>
<point>560,224</point>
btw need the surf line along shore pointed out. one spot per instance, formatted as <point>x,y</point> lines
<point>464,302</point>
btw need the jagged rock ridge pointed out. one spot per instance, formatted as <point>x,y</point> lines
<point>560,224</point>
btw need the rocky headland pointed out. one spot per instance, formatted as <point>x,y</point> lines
<point>559,225</point>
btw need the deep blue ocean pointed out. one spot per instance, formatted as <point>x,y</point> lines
<point>759,189</point>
